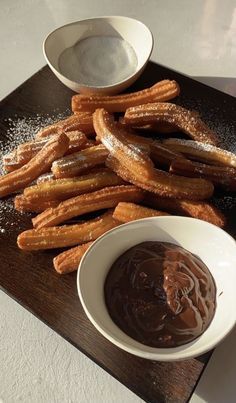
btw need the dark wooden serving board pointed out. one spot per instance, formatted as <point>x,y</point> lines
<point>30,279</point>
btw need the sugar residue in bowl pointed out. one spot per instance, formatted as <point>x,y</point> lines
<point>99,61</point>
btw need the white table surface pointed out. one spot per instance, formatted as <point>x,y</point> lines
<point>193,37</point>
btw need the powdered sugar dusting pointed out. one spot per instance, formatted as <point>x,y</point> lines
<point>19,131</point>
<point>24,129</point>
<point>45,178</point>
<point>225,203</point>
<point>216,117</point>
<point>9,218</point>
<point>228,155</point>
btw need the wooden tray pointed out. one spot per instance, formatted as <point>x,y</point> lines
<point>30,278</point>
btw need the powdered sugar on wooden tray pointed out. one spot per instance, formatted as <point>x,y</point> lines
<point>24,129</point>
<point>225,203</point>
<point>20,130</point>
<point>215,117</point>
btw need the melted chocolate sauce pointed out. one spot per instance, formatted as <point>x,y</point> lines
<point>160,294</point>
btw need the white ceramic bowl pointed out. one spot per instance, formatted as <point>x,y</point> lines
<point>131,30</point>
<point>214,246</point>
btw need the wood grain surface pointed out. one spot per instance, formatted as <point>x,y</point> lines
<point>30,279</point>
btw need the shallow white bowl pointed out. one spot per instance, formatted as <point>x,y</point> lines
<point>131,30</point>
<point>214,246</point>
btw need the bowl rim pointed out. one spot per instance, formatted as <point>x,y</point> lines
<point>103,17</point>
<point>159,354</point>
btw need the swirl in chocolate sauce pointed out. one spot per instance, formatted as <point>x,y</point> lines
<point>160,294</point>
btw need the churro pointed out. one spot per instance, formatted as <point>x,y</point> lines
<point>48,176</point>
<point>224,177</point>
<point>197,209</point>
<point>205,153</point>
<point>11,162</point>
<point>186,121</point>
<point>159,154</point>
<point>26,151</point>
<point>62,189</point>
<point>165,184</point>
<point>160,127</point>
<point>85,122</point>
<point>125,212</point>
<point>79,121</point>
<point>26,204</point>
<point>74,164</point>
<point>68,261</point>
<point>162,156</point>
<point>162,91</point>
<point>113,138</point>
<point>53,149</point>
<point>101,199</point>
<point>67,235</point>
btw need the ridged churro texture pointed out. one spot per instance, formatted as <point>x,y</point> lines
<point>67,235</point>
<point>74,164</point>
<point>197,209</point>
<point>26,151</point>
<point>62,189</point>
<point>79,121</point>
<point>199,151</point>
<point>165,184</point>
<point>164,90</point>
<point>113,138</point>
<point>222,176</point>
<point>159,154</point>
<point>40,163</point>
<point>105,198</point>
<point>125,212</point>
<point>186,121</point>
<point>25,204</point>
<point>68,261</point>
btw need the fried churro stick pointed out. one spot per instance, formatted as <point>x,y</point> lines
<point>86,203</point>
<point>162,91</point>
<point>67,235</point>
<point>187,121</point>
<point>86,122</point>
<point>165,184</point>
<point>202,152</point>
<point>80,121</point>
<point>25,204</point>
<point>39,164</point>
<point>113,138</point>
<point>62,189</point>
<point>68,261</point>
<point>125,212</point>
<point>74,164</point>
<point>224,177</point>
<point>26,151</point>
<point>159,154</point>
<point>48,176</point>
<point>162,156</point>
<point>196,209</point>
<point>161,127</point>
<point>11,162</point>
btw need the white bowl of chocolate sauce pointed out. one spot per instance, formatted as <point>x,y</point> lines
<point>99,55</point>
<point>161,288</point>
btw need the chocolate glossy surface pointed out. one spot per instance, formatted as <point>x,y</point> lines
<point>160,294</point>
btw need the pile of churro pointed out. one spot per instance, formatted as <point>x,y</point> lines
<point>119,156</point>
